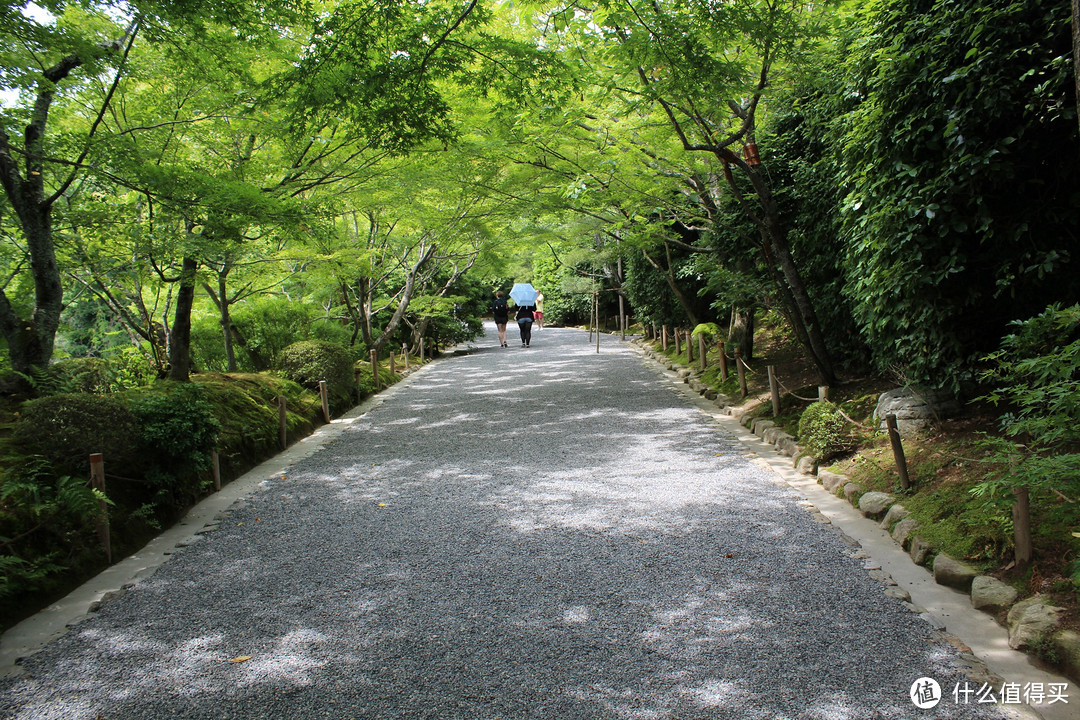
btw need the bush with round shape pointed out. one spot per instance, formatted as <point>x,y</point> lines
<point>66,428</point>
<point>310,361</point>
<point>822,430</point>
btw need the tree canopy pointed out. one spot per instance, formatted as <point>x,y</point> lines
<point>891,178</point>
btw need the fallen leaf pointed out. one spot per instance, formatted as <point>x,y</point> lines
<point>240,659</point>
<point>729,555</point>
<point>382,504</point>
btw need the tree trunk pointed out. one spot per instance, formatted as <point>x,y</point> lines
<point>804,307</point>
<point>180,332</point>
<point>743,331</point>
<point>30,340</point>
<point>1022,527</point>
<point>1076,52</point>
<point>226,320</point>
<point>669,278</point>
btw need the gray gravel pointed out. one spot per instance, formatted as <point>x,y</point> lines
<point>519,533</point>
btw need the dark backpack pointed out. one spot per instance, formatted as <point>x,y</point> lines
<point>500,309</point>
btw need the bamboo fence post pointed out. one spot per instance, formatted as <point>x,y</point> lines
<point>774,391</point>
<point>325,399</point>
<point>664,340</point>
<point>215,468</point>
<point>689,348</point>
<point>741,367</point>
<point>701,352</point>
<point>823,393</point>
<point>898,451</point>
<point>97,479</point>
<point>678,344</point>
<point>283,428</point>
<point>723,361</point>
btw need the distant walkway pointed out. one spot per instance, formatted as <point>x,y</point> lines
<point>515,533</point>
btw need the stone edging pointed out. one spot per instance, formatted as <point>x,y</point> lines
<point>1031,622</point>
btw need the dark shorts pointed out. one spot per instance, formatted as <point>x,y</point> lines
<point>502,323</point>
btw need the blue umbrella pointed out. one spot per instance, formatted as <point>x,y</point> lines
<point>524,294</point>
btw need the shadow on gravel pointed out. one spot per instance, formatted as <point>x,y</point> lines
<point>508,538</point>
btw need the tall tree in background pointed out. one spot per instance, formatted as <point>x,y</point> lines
<point>707,66</point>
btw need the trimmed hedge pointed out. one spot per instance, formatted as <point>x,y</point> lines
<point>65,429</point>
<point>310,361</point>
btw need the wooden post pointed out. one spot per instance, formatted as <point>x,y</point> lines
<point>741,367</point>
<point>405,355</point>
<point>898,451</point>
<point>324,397</point>
<point>97,478</point>
<point>622,315</point>
<point>1021,514</point>
<point>823,393</point>
<point>215,468</point>
<point>421,351</point>
<point>701,352</point>
<point>596,295</point>
<point>393,370</point>
<point>663,343</point>
<point>375,370</point>
<point>283,428</point>
<point>723,361</point>
<point>689,348</point>
<point>596,313</point>
<point>655,334</point>
<point>774,390</point>
<point>678,342</point>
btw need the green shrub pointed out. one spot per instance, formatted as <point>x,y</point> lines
<point>178,432</point>
<point>65,429</point>
<point>310,361</point>
<point>822,430</point>
<point>79,375</point>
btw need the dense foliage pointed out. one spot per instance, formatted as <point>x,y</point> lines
<point>958,214</point>
<point>311,361</point>
<point>192,189</point>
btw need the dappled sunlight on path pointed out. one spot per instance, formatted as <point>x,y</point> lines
<point>540,533</point>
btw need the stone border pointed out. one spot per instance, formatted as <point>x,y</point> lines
<point>1031,623</point>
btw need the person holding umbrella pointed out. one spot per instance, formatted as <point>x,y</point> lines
<point>525,319</point>
<point>524,295</point>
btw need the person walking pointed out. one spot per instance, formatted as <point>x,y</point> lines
<point>539,313</point>
<point>501,312</point>
<point>525,319</point>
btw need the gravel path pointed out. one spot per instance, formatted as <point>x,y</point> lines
<point>517,533</point>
